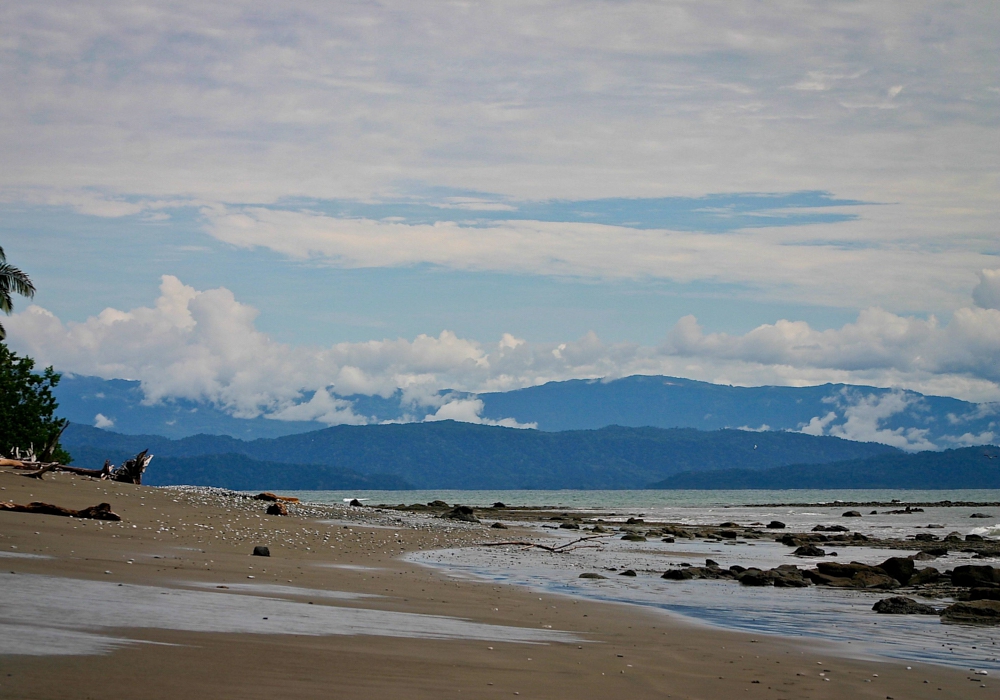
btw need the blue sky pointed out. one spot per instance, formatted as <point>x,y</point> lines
<point>249,204</point>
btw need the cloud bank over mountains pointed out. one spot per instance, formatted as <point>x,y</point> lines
<point>204,346</point>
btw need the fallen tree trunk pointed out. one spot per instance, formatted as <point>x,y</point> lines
<point>102,511</point>
<point>560,549</point>
<point>130,472</point>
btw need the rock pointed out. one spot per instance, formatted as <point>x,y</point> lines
<point>737,569</point>
<point>729,524</point>
<point>790,540</point>
<point>356,503</point>
<point>984,594</point>
<point>953,537</point>
<point>974,611</point>
<point>874,512</point>
<point>925,576</point>
<point>974,538</point>
<point>873,579</point>
<point>438,504</point>
<point>677,575</point>
<point>923,556</point>
<point>727,534</point>
<point>463,513</point>
<point>755,577</point>
<point>899,605</point>
<point>593,575</point>
<point>776,525</point>
<point>499,504</point>
<point>265,496</point>
<point>809,550</point>
<point>819,528</point>
<point>937,551</point>
<point>628,572</point>
<point>632,537</point>
<point>900,568</point>
<point>788,576</point>
<point>837,528</point>
<point>711,562</point>
<point>973,576</point>
<point>634,521</point>
<point>261,551</point>
<point>851,514</point>
<point>858,537</point>
<point>569,526</point>
<point>598,528</point>
<point>980,515</point>
<point>277,508</point>
<point>925,537</point>
<point>498,526</point>
<point>669,540</point>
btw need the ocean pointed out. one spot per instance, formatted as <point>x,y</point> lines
<point>842,618</point>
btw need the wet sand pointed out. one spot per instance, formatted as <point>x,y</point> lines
<point>377,627</point>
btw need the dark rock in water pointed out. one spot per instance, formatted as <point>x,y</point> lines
<point>776,525</point>
<point>755,577</point>
<point>899,605</point>
<point>973,576</point>
<point>851,514</point>
<point>677,575</point>
<point>974,538</point>
<point>980,515</point>
<point>809,550</point>
<point>984,594</point>
<point>711,562</point>
<point>498,526</point>
<point>261,551</point>
<point>858,537</point>
<point>669,540</point>
<point>788,576</point>
<point>900,568</point>
<point>634,521</point>
<point>729,524</point>
<point>569,526</point>
<point>438,504</point>
<point>593,575</point>
<point>356,503</point>
<point>277,508</point>
<point>499,504</point>
<point>953,537</point>
<point>925,537</point>
<point>819,528</point>
<point>627,572</point>
<point>462,513</point>
<point>837,528</point>
<point>874,579</point>
<point>728,534</point>
<point>737,569</point>
<point>937,551</point>
<point>984,612</point>
<point>677,531</point>
<point>925,576</point>
<point>923,556</point>
<point>631,537</point>
<point>853,575</point>
<point>790,540</point>
<point>874,512</point>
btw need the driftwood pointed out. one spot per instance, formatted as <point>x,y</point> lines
<point>268,496</point>
<point>130,472</point>
<point>560,549</point>
<point>101,511</point>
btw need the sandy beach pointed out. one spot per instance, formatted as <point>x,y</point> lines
<point>170,603</point>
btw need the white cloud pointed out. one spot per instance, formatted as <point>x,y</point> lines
<point>469,411</point>
<point>203,345</point>
<point>102,421</point>
<point>853,270</point>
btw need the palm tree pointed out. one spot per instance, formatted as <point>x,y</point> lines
<point>12,281</point>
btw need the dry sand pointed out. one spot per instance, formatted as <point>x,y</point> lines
<point>379,627</point>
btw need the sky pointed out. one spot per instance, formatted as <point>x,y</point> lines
<point>255,204</point>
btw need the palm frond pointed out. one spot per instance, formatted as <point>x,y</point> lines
<point>13,281</point>
<point>3,333</point>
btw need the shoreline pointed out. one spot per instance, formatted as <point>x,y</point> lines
<point>178,546</point>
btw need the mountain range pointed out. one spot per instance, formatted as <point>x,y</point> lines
<point>446,454</point>
<point>903,419</point>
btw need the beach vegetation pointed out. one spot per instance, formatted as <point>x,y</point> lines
<point>28,407</point>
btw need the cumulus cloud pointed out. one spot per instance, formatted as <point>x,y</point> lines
<point>470,411</point>
<point>863,416</point>
<point>204,345</point>
<point>102,421</point>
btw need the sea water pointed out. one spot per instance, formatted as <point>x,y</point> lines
<point>843,617</point>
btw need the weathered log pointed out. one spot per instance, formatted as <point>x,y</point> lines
<point>268,496</point>
<point>560,549</point>
<point>102,511</point>
<point>130,472</point>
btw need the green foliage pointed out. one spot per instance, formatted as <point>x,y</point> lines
<point>12,281</point>
<point>27,408</point>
